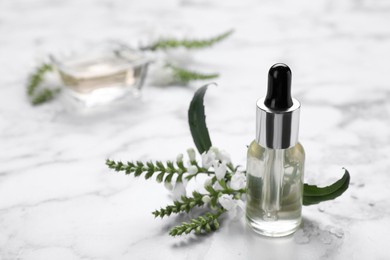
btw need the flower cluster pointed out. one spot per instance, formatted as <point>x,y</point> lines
<point>225,185</point>
<point>221,164</point>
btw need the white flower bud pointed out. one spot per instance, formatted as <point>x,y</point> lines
<point>220,170</point>
<point>192,169</point>
<point>178,191</point>
<point>184,179</point>
<point>191,154</point>
<point>179,158</point>
<point>174,179</point>
<point>208,159</point>
<point>206,199</point>
<point>239,211</point>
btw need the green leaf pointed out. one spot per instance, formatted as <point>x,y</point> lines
<point>184,76</point>
<point>160,177</point>
<point>197,121</point>
<point>187,43</point>
<point>314,195</point>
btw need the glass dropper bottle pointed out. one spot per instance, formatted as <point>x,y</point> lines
<point>275,161</point>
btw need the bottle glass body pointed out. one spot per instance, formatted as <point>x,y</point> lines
<point>101,74</point>
<point>274,189</point>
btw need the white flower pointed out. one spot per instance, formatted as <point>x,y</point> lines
<point>206,199</point>
<point>220,169</point>
<point>220,155</point>
<point>235,208</point>
<point>223,156</point>
<point>208,159</point>
<point>192,169</point>
<point>184,179</point>
<point>171,184</point>
<point>178,191</point>
<point>191,154</point>
<point>226,201</point>
<point>179,158</point>
<point>238,210</point>
<point>238,181</point>
<point>207,182</point>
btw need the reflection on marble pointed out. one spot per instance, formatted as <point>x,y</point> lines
<point>59,201</point>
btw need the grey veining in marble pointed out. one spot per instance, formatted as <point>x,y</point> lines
<point>59,201</point>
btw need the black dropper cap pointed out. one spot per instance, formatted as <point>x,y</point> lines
<point>279,88</point>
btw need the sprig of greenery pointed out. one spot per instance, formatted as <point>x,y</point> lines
<point>185,205</point>
<point>35,80</point>
<point>165,171</point>
<point>184,76</point>
<point>149,169</point>
<point>202,224</point>
<point>37,77</point>
<point>187,43</point>
<point>44,95</point>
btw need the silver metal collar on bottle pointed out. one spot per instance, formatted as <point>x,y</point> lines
<point>277,129</point>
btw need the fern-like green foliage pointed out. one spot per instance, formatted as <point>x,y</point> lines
<point>187,43</point>
<point>164,172</point>
<point>44,95</point>
<point>37,77</point>
<point>35,80</point>
<point>202,224</point>
<point>184,76</point>
<point>184,205</point>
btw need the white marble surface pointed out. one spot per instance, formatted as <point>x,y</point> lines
<point>58,200</point>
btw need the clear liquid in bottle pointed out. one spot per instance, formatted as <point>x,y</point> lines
<point>274,189</point>
<point>100,76</point>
